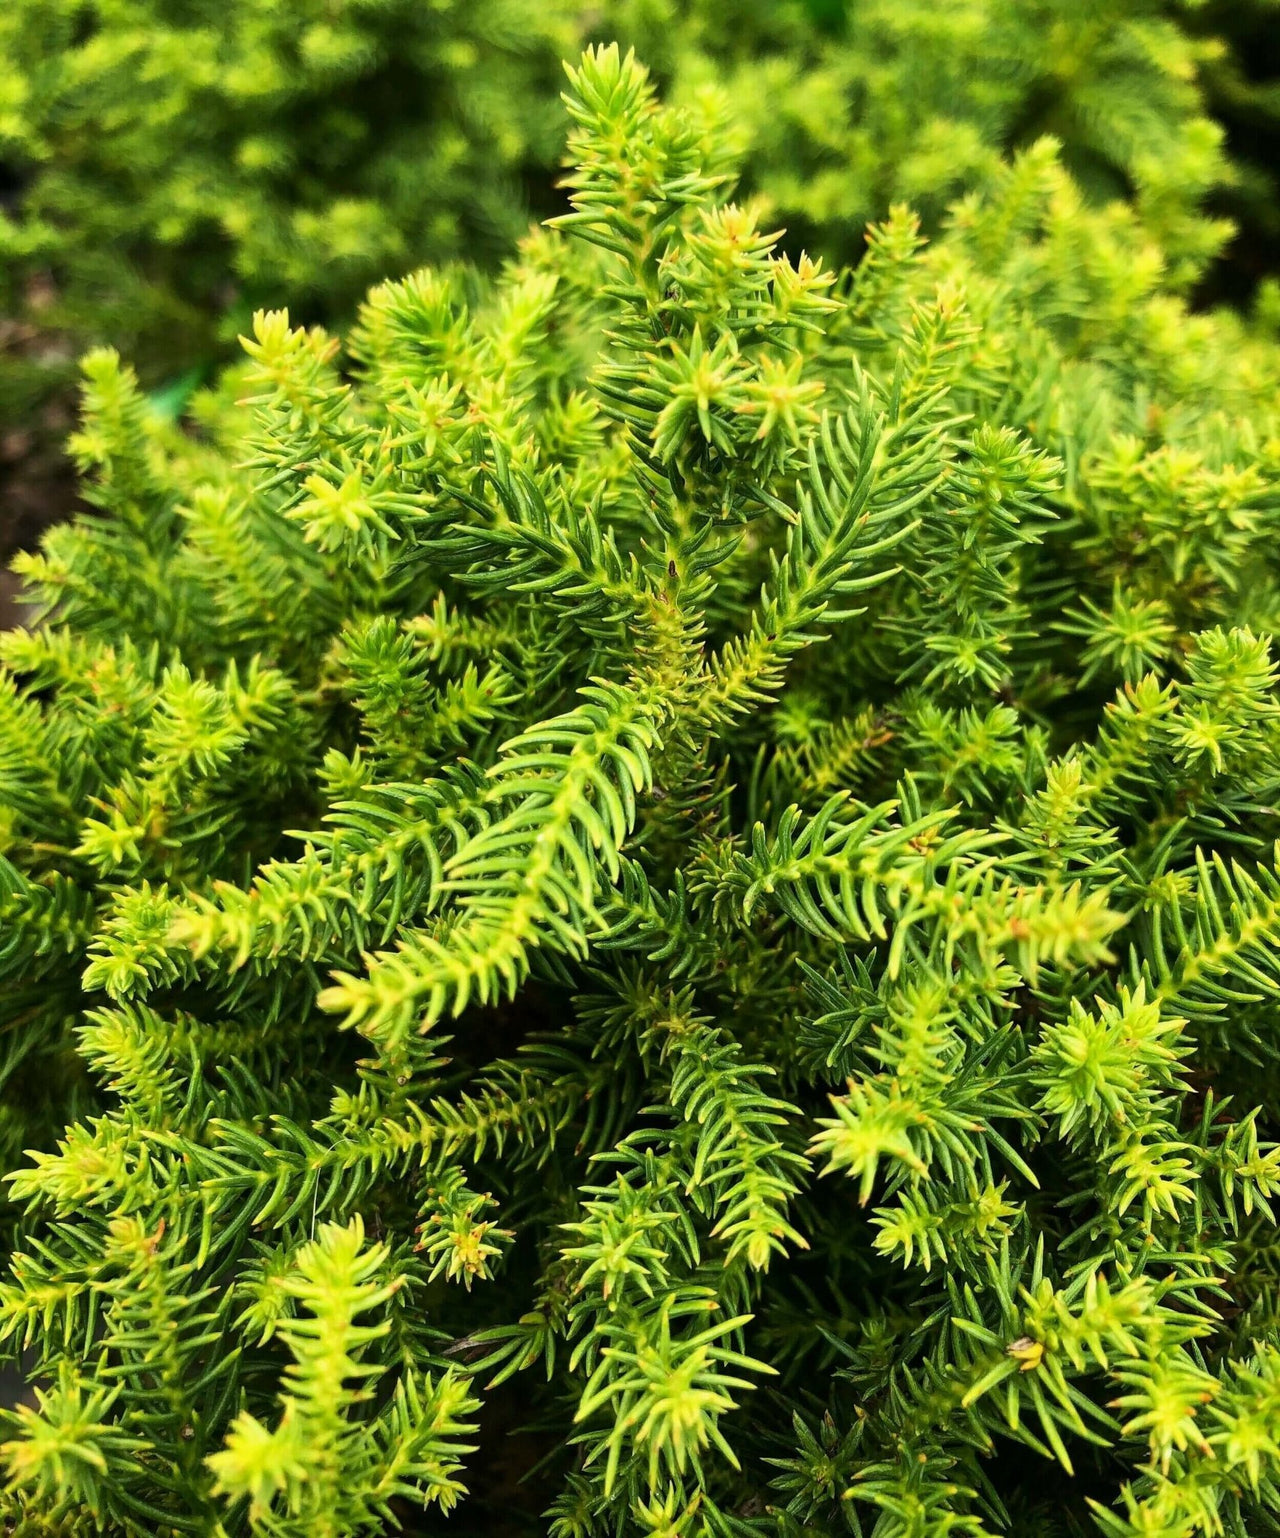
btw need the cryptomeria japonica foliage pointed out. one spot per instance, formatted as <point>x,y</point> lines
<point>675,851</point>
<point>842,107</point>
<point>168,166</point>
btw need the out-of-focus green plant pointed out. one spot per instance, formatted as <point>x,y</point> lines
<point>846,107</point>
<point>173,163</point>
<point>1242,91</point>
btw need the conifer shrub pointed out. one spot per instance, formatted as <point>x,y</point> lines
<point>168,166</point>
<point>175,163</point>
<point>673,852</point>
<point>846,108</point>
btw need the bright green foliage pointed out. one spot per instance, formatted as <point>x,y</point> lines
<point>683,850</point>
<point>175,165</point>
<point>846,107</point>
<point>178,163</point>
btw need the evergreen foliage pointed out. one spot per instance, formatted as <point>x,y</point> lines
<point>676,830</point>
<point>178,162</point>
<point>847,108</point>
<point>168,166</point>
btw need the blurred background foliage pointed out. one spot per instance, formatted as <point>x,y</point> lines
<point>168,166</point>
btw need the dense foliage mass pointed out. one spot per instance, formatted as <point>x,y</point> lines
<point>841,1108</point>
<point>176,162</point>
<point>843,109</point>
<point>170,165</point>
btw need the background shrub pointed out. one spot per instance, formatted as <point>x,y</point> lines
<point>171,165</point>
<point>175,162</point>
<point>846,109</point>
